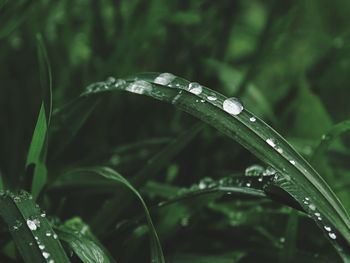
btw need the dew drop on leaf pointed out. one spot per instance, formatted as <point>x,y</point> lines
<point>140,87</point>
<point>33,224</point>
<point>211,98</point>
<point>164,78</point>
<point>332,235</point>
<point>271,142</point>
<point>254,170</point>
<point>46,254</point>
<point>328,228</point>
<point>195,88</point>
<point>232,106</point>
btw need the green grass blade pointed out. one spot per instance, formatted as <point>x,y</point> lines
<point>37,154</point>
<point>299,178</point>
<point>105,173</point>
<point>112,209</point>
<point>67,121</point>
<point>45,76</point>
<point>38,148</point>
<point>336,131</point>
<point>30,229</point>
<point>84,244</point>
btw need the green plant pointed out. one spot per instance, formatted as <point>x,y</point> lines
<point>103,175</point>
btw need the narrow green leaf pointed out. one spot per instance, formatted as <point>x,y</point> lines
<point>84,244</point>
<point>105,173</point>
<point>45,76</point>
<point>30,229</point>
<point>297,176</point>
<point>37,153</point>
<point>335,132</point>
<point>38,147</point>
<point>111,210</point>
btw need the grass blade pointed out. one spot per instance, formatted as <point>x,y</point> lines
<point>297,176</point>
<point>36,158</point>
<point>37,154</point>
<point>105,173</point>
<point>112,209</point>
<point>30,229</point>
<point>336,131</point>
<point>84,244</point>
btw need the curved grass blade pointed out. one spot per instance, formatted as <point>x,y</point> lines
<point>336,131</point>
<point>105,173</point>
<point>110,211</point>
<point>30,229</point>
<point>84,244</point>
<point>228,116</point>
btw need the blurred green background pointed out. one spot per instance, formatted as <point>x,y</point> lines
<point>288,61</point>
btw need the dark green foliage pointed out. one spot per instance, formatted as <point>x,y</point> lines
<point>125,178</point>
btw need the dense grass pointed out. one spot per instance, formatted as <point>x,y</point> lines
<point>91,173</point>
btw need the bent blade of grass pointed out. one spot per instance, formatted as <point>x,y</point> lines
<point>30,229</point>
<point>84,244</point>
<point>105,173</point>
<point>299,178</point>
<point>111,210</point>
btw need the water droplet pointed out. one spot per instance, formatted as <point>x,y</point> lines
<point>282,239</point>
<point>248,184</point>
<point>185,221</point>
<point>33,224</point>
<point>43,214</point>
<point>205,183</point>
<point>254,170</point>
<point>269,171</point>
<point>332,235</point>
<point>312,207</point>
<point>16,226</point>
<point>48,234</point>
<point>280,150</point>
<point>164,78</point>
<point>41,247</point>
<point>328,228</point>
<point>202,101</point>
<point>211,98</point>
<point>317,214</point>
<point>119,82</point>
<point>260,179</point>
<point>292,162</point>
<point>17,199</point>
<point>307,198</point>
<point>195,88</point>
<point>55,236</point>
<point>232,106</point>
<point>139,87</point>
<point>46,254</point>
<point>110,80</point>
<point>51,261</point>
<point>271,142</point>
<point>252,119</point>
